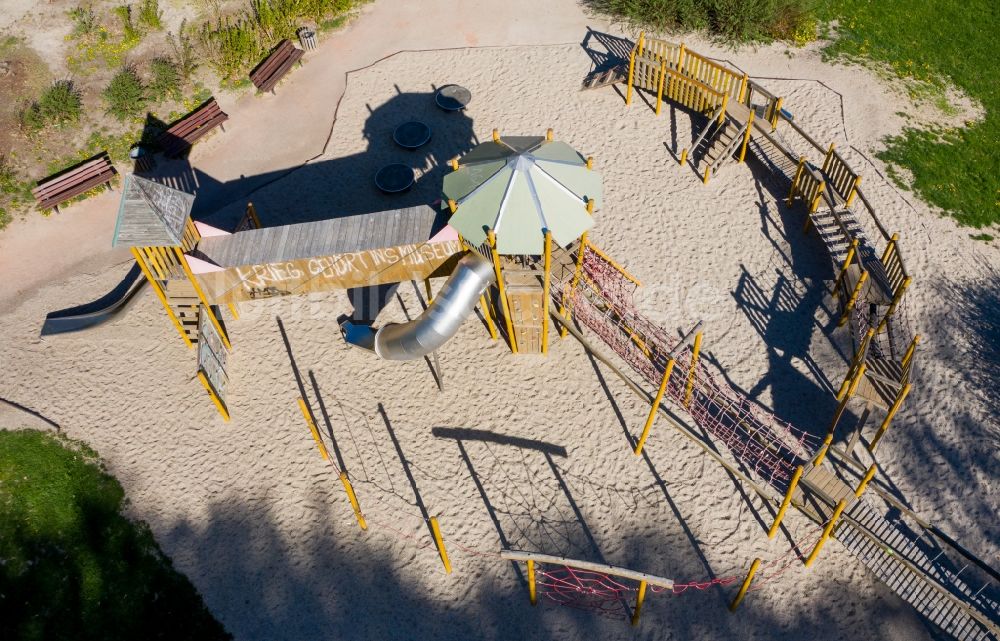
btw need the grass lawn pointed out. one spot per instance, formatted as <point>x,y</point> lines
<point>957,170</point>
<point>71,565</point>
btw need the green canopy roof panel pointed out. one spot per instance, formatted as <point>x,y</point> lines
<point>521,144</point>
<point>558,150</point>
<point>459,184</point>
<point>575,178</point>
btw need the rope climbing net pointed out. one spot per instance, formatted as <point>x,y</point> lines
<point>602,301</point>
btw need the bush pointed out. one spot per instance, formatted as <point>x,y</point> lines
<point>125,94</point>
<point>84,21</point>
<point>184,52</point>
<point>59,104</point>
<point>150,15</point>
<point>124,13</point>
<point>166,79</point>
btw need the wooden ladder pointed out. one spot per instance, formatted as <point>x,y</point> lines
<point>184,303</point>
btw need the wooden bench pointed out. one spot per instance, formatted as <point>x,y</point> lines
<point>59,188</point>
<point>185,132</point>
<point>267,74</point>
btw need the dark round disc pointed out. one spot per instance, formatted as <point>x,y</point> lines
<point>452,97</point>
<point>394,178</point>
<point>411,135</point>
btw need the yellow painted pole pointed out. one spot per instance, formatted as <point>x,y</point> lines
<point>234,310</point>
<point>352,497</point>
<point>746,586</point>
<point>777,113</point>
<point>430,294</point>
<point>695,351</point>
<point>890,247</point>
<point>895,302</point>
<point>312,429</point>
<point>684,156</point>
<point>827,531</point>
<point>631,73</point>
<point>215,398</point>
<point>795,180</point>
<point>496,135</point>
<point>491,237</point>
<point>532,590</point>
<point>453,163</point>
<point>590,206</point>
<point>489,316</point>
<point>548,134</point>
<point>680,57</point>
<point>785,502</point>
<point>590,162</point>
<point>743,87</point>
<point>639,599</point>
<point>642,42</point>
<point>565,310</point>
<point>821,454</point>
<point>869,475</point>
<point>252,212</point>
<point>452,206</point>
<point>889,416</point>
<point>854,298</point>
<point>908,356</point>
<point>546,284</point>
<point>854,191</point>
<point>708,171</point>
<point>847,397</point>
<point>202,297</point>
<point>725,104</point>
<point>155,284</point>
<point>814,205</point>
<point>829,157</point>
<point>659,88</point>
<point>852,370</point>
<point>440,545</point>
<point>655,406</point>
<point>843,270</point>
<point>746,138</point>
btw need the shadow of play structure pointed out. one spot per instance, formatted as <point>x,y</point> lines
<point>525,272</point>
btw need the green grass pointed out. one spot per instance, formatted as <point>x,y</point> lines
<point>71,565</point>
<point>929,43</point>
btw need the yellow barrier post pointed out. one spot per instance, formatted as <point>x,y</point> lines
<point>564,310</point>
<point>491,237</point>
<point>639,598</point>
<point>352,497</point>
<point>546,284</point>
<point>854,299</point>
<point>785,502</point>
<point>659,88</point>
<point>312,428</point>
<point>532,593</point>
<point>440,545</point>
<point>746,586</point>
<point>746,138</point>
<point>795,180</point>
<point>821,454</point>
<point>827,531</point>
<point>869,475</point>
<point>694,363</point>
<point>889,416</point>
<point>854,191</point>
<point>655,406</point>
<point>847,397</point>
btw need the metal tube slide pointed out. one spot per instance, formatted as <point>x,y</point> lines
<point>441,320</point>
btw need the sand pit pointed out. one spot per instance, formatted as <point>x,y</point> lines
<point>527,452</point>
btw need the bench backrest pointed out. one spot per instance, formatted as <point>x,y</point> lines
<point>66,179</point>
<point>210,110</point>
<point>273,62</point>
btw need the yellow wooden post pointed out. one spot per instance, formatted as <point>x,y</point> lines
<point>491,237</point>
<point>746,586</point>
<point>684,156</point>
<point>869,475</point>
<point>565,310</point>
<point>725,104</point>
<point>201,296</point>
<point>642,42</point>
<point>215,398</point>
<point>430,294</point>
<point>532,593</point>
<point>452,206</point>
<point>854,298</point>
<point>590,162</point>
<point>655,406</point>
<point>785,502</point>
<point>453,163</point>
<point>234,310</point>
<point>890,247</point>
<point>795,180</point>
<point>895,302</point>
<point>548,134</point>
<point>489,316</point>
<point>853,192</point>
<point>821,454</point>
<point>695,351</point>
<point>496,135</point>
<point>546,284</point>
<point>828,159</point>
<point>352,497</point>
<point>440,545</point>
<point>827,531</point>
<point>659,87</point>
<point>777,113</point>
<point>858,356</point>
<point>746,138</point>
<point>680,57</point>
<point>252,213</point>
<point>847,397</point>
<point>708,171</point>
<point>843,270</point>
<point>306,414</point>
<point>814,205</point>
<point>908,356</point>
<point>155,284</point>
<point>889,416</point>
<point>631,73</point>
<point>639,598</point>
<point>743,87</point>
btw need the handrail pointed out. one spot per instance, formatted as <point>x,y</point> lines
<point>518,555</point>
<point>712,121</point>
<point>871,211</point>
<point>698,83</point>
<point>802,133</point>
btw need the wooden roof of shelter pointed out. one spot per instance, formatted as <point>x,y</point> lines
<point>349,234</point>
<point>151,214</point>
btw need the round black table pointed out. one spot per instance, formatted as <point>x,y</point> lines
<point>394,178</point>
<point>411,135</point>
<point>452,97</point>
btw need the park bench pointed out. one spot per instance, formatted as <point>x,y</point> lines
<point>179,137</point>
<point>267,74</point>
<point>57,189</point>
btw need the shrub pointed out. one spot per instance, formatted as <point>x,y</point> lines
<point>125,94</point>
<point>150,15</point>
<point>124,13</point>
<point>184,52</point>
<point>59,104</point>
<point>84,21</point>
<point>166,79</point>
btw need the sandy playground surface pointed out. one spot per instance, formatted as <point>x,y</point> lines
<point>530,452</point>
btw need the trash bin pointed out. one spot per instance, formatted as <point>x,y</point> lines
<point>307,38</point>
